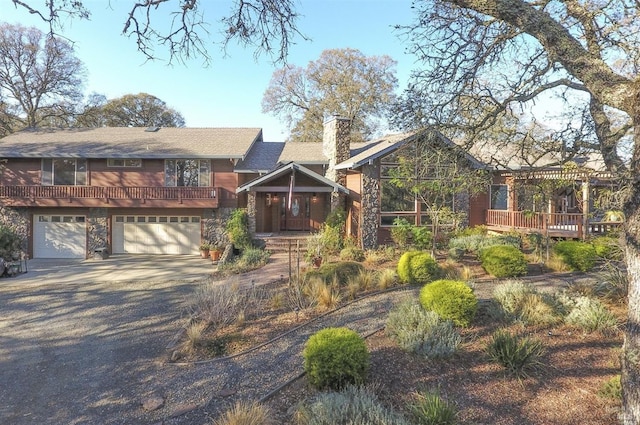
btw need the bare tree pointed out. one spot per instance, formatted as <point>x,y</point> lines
<point>485,60</point>
<point>341,82</point>
<point>267,26</point>
<point>40,78</point>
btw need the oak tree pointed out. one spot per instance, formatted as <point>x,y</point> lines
<point>138,110</point>
<point>40,78</point>
<point>341,82</point>
<point>487,60</point>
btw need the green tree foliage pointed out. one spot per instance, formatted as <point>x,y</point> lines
<point>341,82</point>
<point>41,79</point>
<point>237,228</point>
<point>140,110</point>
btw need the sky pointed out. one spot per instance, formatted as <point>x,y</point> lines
<point>227,93</point>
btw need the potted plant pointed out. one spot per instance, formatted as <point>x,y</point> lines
<point>215,253</point>
<point>204,250</point>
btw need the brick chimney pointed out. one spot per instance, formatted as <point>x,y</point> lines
<point>336,145</point>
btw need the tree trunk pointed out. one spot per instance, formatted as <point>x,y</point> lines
<point>631,350</point>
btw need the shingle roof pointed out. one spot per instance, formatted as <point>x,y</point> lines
<point>311,153</point>
<point>130,142</point>
<point>288,168</point>
<point>262,158</point>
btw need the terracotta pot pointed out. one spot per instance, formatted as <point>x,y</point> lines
<point>215,255</point>
<point>204,253</point>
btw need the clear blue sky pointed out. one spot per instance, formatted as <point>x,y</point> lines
<point>228,93</point>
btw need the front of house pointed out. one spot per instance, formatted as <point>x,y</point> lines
<point>165,190</point>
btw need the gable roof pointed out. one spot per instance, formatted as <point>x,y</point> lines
<point>311,153</point>
<point>262,158</point>
<point>288,168</point>
<point>131,142</point>
<point>387,144</point>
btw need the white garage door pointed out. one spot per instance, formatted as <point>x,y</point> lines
<point>156,235</point>
<point>59,236</point>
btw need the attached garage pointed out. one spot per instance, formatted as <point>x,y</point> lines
<point>155,234</point>
<point>59,236</point>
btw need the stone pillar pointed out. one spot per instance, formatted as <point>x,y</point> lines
<point>251,211</point>
<point>97,230</point>
<point>370,202</point>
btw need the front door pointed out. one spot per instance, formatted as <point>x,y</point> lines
<point>295,214</point>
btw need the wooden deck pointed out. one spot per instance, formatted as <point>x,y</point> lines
<point>558,225</point>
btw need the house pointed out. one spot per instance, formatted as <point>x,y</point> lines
<point>164,190</point>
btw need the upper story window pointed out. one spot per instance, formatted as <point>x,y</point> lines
<point>64,172</point>
<point>187,172</point>
<point>124,162</point>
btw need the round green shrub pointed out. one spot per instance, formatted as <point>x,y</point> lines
<point>451,299</point>
<point>343,271</point>
<point>577,255</point>
<point>417,267</point>
<point>336,357</point>
<point>503,261</point>
<point>352,254</point>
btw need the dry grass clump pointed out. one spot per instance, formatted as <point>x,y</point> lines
<point>246,413</point>
<point>387,278</point>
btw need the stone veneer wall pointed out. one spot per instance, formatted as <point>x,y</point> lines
<point>370,199</point>
<point>18,220</point>
<point>97,230</point>
<point>251,211</point>
<point>213,229</point>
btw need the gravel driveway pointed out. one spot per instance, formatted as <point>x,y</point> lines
<point>83,353</point>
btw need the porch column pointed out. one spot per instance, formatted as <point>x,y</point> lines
<point>370,204</point>
<point>251,211</point>
<point>586,189</point>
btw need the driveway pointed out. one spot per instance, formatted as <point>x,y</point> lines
<point>81,341</point>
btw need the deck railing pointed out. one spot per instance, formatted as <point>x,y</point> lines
<point>559,224</point>
<point>108,192</point>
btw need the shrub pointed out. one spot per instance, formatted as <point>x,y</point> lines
<point>351,254</point>
<point>422,237</point>
<point>523,303</point>
<point>451,299</point>
<point>431,409</point>
<point>401,232</point>
<point>503,261</point>
<point>246,413</point>
<point>343,271</point>
<point>9,242</point>
<point>608,248</point>
<point>456,253</point>
<point>219,305</point>
<point>470,231</point>
<point>519,355</point>
<point>577,255</point>
<point>352,405</point>
<point>476,242</point>
<point>421,332</point>
<point>417,267</point>
<point>336,357</point>
<point>591,315</point>
<point>237,228</point>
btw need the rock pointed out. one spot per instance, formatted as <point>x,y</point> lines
<point>152,403</point>
<point>182,409</point>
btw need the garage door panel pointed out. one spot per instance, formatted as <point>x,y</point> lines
<point>144,237</point>
<point>59,239</point>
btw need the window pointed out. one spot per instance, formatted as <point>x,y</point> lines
<point>124,162</point>
<point>187,172</point>
<point>499,196</point>
<point>64,172</point>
